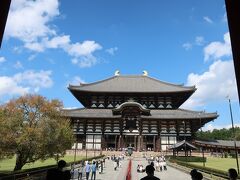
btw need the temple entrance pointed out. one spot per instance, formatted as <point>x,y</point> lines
<point>129,141</point>
<point>149,143</point>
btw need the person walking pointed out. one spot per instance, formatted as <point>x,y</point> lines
<point>94,169</point>
<point>80,171</point>
<point>87,169</point>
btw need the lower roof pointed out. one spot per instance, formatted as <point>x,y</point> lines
<point>154,114</point>
<point>218,143</point>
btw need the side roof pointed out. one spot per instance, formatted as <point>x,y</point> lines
<point>132,84</point>
<point>220,143</point>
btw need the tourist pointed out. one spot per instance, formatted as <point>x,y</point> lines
<point>74,171</point>
<point>141,168</point>
<point>150,173</point>
<point>115,165</point>
<point>157,165</point>
<point>164,165</point>
<point>232,174</point>
<point>87,169</point>
<point>80,171</point>
<point>138,166</point>
<point>94,169</point>
<point>59,173</point>
<point>100,167</point>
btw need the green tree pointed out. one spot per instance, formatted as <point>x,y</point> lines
<point>219,134</point>
<point>33,128</point>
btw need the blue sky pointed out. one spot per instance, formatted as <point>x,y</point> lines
<point>49,44</point>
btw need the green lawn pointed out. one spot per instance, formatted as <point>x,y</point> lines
<point>8,164</point>
<point>219,163</point>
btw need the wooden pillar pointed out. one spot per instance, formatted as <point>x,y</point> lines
<point>103,142</point>
<point>120,142</point>
<point>154,143</point>
<point>135,142</point>
<point>139,147</point>
<point>85,142</point>
<point>115,142</point>
<point>158,146</point>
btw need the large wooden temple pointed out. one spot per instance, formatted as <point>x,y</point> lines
<point>133,111</point>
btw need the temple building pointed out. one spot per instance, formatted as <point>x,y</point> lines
<point>133,111</point>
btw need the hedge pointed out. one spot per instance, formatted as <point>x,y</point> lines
<point>188,159</point>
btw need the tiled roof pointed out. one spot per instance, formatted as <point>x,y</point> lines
<point>219,143</point>
<point>154,114</point>
<point>133,83</point>
<point>181,144</point>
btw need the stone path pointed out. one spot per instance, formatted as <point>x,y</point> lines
<point>170,174</point>
<point>119,174</point>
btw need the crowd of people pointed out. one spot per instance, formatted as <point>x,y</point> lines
<point>159,162</point>
<point>89,170</point>
<point>84,168</point>
<point>116,161</point>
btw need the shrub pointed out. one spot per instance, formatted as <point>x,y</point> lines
<point>189,159</point>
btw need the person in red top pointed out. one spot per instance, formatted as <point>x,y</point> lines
<point>150,173</point>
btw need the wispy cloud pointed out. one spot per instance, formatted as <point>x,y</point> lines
<point>187,46</point>
<point>2,59</point>
<point>207,19</point>
<point>112,51</point>
<point>224,18</point>
<point>77,80</point>
<point>199,40</point>
<point>18,65</point>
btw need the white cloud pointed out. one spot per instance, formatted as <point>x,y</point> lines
<point>18,65</point>
<point>207,19</point>
<point>199,40</point>
<point>85,61</point>
<point>2,59</point>
<point>83,49</point>
<point>9,86</point>
<point>218,49</point>
<point>187,46</point>
<point>29,21</point>
<point>77,80</point>
<point>213,85</point>
<point>112,51</point>
<point>25,82</point>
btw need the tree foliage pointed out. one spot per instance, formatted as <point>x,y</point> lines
<point>219,134</point>
<point>33,128</point>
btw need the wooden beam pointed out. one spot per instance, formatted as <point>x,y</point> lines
<point>5,5</point>
<point>233,16</point>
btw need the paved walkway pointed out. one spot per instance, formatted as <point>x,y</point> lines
<point>169,174</point>
<point>120,173</point>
